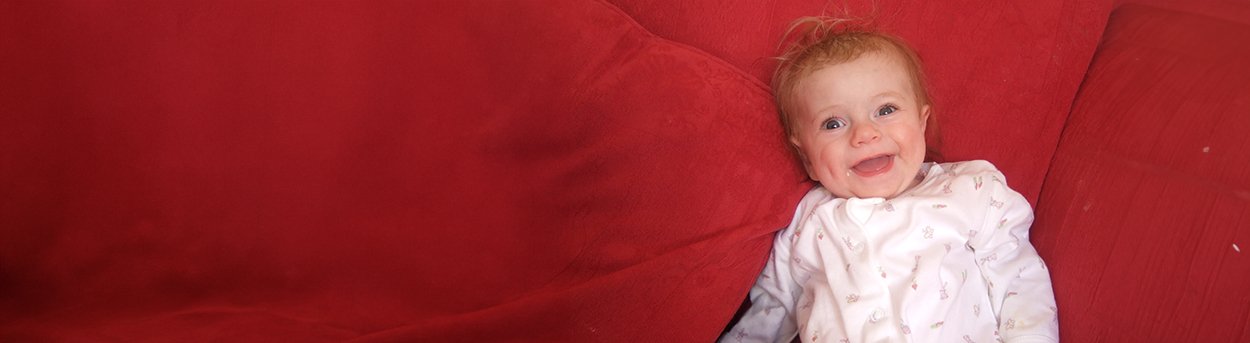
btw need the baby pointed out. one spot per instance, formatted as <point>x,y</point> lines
<point>889,248</point>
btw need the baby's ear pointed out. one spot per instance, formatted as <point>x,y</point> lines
<point>924,117</point>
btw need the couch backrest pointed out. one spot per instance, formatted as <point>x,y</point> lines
<point>1003,74</point>
<point>424,171</point>
<point>1145,216</point>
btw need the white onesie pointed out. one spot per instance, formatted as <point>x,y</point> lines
<point>947,261</point>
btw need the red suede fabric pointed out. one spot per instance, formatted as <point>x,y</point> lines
<point>430,171</point>
<point>1228,10</point>
<point>1145,215</point>
<point>382,171</point>
<point>1002,74</point>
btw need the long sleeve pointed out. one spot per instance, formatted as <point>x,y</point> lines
<point>1019,284</point>
<point>771,315</point>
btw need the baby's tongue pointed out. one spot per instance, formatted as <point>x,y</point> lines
<point>872,165</point>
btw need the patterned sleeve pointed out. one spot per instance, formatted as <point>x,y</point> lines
<point>770,318</point>
<point>1019,284</point>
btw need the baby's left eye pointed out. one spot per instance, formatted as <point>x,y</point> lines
<point>886,110</point>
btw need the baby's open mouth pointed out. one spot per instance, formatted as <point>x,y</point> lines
<point>874,166</point>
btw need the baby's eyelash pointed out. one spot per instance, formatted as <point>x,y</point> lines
<point>832,124</point>
<point>887,109</point>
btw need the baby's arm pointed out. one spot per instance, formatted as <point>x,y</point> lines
<point>1019,284</point>
<point>771,315</point>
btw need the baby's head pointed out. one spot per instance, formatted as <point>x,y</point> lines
<point>854,105</point>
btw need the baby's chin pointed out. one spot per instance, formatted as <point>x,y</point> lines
<point>888,186</point>
<point>843,191</point>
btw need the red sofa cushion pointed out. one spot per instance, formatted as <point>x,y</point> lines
<point>1003,74</point>
<point>1228,10</point>
<point>1145,215</point>
<point>390,171</point>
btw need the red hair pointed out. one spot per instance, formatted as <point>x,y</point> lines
<point>812,43</point>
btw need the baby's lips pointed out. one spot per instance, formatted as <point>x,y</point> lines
<point>874,166</point>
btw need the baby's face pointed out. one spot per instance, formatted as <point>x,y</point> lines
<point>860,127</point>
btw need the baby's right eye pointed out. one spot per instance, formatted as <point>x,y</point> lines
<point>832,123</point>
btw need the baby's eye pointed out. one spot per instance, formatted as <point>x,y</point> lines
<point>832,123</point>
<point>886,110</point>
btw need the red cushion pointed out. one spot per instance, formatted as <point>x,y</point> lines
<point>1145,215</point>
<point>402,171</point>
<point>1228,10</point>
<point>1002,74</point>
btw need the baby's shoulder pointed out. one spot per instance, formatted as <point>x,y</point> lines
<point>970,168</point>
<point>814,198</point>
<point>960,178</point>
<point>968,172</point>
<point>976,178</point>
<point>817,195</point>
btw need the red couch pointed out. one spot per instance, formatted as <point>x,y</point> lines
<point>430,171</point>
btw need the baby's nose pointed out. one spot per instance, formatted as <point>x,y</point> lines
<point>865,133</point>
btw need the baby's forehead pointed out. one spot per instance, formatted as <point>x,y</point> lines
<point>894,60</point>
<point>868,78</point>
<point>888,63</point>
<point>890,56</point>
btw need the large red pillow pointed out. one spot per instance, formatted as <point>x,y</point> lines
<point>1145,216</point>
<point>391,171</point>
<point>1002,74</point>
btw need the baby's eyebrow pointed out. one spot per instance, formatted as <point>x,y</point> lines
<point>819,119</point>
<point>826,112</point>
<point>888,94</point>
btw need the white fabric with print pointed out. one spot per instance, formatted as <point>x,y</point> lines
<point>947,261</point>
